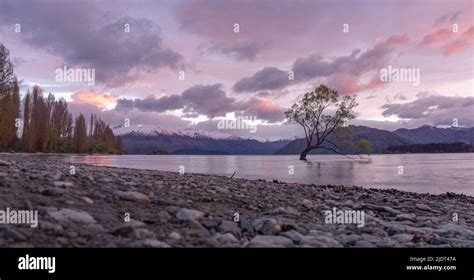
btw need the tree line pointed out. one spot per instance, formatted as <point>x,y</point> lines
<point>44,124</point>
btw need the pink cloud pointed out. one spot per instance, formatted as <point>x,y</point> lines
<point>97,99</point>
<point>468,35</point>
<point>263,108</point>
<point>454,47</point>
<point>347,84</point>
<point>438,37</point>
<point>448,41</point>
<point>398,40</point>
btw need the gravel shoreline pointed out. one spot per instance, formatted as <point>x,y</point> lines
<point>118,207</point>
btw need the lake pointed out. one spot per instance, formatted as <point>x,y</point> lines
<point>425,173</point>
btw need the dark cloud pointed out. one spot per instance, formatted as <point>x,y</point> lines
<point>449,17</point>
<point>269,78</point>
<point>434,110</point>
<point>314,66</point>
<point>85,37</point>
<point>209,100</point>
<point>243,51</point>
<point>165,103</point>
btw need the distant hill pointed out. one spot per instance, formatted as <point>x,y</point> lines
<point>381,139</point>
<point>430,134</point>
<point>174,143</point>
<point>192,143</point>
<point>458,147</point>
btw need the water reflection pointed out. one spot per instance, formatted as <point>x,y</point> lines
<point>434,173</point>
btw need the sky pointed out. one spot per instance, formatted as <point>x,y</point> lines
<point>190,64</point>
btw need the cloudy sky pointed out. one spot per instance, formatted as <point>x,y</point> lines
<point>344,44</point>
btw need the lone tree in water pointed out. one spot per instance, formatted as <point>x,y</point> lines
<point>323,114</point>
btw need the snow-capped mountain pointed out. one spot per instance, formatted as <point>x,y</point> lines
<point>192,141</point>
<point>178,131</point>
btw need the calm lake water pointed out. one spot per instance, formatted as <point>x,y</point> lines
<point>425,173</point>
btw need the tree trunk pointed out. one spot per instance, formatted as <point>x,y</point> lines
<point>305,153</point>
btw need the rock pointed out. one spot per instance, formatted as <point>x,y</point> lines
<point>37,176</point>
<point>246,226</point>
<point>133,196</point>
<point>70,215</point>
<point>135,223</point>
<point>230,227</point>
<point>53,192</point>
<point>3,175</point>
<point>11,233</point>
<point>164,216</point>
<point>63,184</point>
<point>403,237</point>
<point>458,229</point>
<point>186,214</point>
<point>174,235</point>
<point>153,243</point>
<point>308,203</point>
<point>4,163</point>
<point>383,209</point>
<point>196,230</point>
<point>286,211</point>
<point>270,241</point>
<point>227,238</point>
<point>266,226</point>
<point>172,209</point>
<point>91,229</point>
<point>422,207</point>
<point>55,175</point>
<point>295,236</point>
<point>320,239</point>
<point>210,223</point>
<point>50,226</point>
<point>126,230</point>
<point>144,233</point>
<point>364,244</point>
<point>87,200</point>
<point>406,216</point>
<point>350,238</point>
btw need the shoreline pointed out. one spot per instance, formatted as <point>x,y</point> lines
<point>124,207</point>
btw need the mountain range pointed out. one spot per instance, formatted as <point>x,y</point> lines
<point>159,141</point>
<point>179,143</point>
